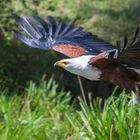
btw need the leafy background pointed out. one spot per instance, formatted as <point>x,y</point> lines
<point>45,109</point>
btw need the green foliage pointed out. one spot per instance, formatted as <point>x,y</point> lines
<point>32,116</point>
<point>43,110</point>
<point>117,120</point>
<point>44,113</point>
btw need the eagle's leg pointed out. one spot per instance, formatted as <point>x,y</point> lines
<point>82,89</point>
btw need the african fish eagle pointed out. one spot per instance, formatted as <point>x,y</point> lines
<point>89,56</point>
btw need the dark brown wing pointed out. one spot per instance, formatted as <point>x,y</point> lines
<point>129,53</point>
<point>65,38</point>
<point>100,61</point>
<point>115,72</point>
<point>119,75</point>
<point>118,71</point>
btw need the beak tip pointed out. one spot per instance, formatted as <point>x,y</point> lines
<point>59,64</point>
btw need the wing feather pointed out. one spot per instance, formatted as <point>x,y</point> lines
<point>130,52</point>
<point>48,35</point>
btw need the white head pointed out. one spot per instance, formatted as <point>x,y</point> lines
<point>79,66</point>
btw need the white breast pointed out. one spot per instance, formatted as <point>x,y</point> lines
<point>81,67</point>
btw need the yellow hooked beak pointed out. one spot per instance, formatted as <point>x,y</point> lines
<point>60,63</point>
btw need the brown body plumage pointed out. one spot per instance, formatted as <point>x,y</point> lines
<point>115,72</point>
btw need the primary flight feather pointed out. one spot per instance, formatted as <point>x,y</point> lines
<point>90,57</point>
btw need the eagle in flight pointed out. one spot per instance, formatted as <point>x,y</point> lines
<point>89,56</point>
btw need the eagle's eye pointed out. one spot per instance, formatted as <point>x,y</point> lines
<point>65,63</point>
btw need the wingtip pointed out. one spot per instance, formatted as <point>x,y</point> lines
<point>51,20</point>
<point>24,16</point>
<point>50,17</point>
<point>18,34</point>
<point>15,16</point>
<point>14,30</point>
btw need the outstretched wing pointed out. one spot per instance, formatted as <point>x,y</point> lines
<point>67,39</point>
<point>128,54</point>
